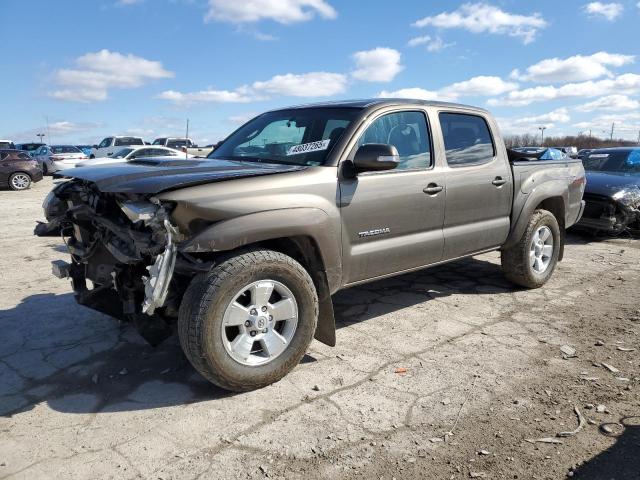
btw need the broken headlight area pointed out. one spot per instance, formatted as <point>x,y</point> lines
<point>611,215</point>
<point>124,256</point>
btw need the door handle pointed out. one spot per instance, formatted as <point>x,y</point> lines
<point>432,189</point>
<point>499,181</point>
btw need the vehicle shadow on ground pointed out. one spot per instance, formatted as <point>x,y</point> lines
<point>620,461</point>
<point>80,361</point>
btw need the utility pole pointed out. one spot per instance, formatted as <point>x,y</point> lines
<point>40,136</point>
<point>186,140</point>
<point>542,129</point>
<point>613,124</point>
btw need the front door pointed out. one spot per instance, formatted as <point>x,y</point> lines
<point>392,220</point>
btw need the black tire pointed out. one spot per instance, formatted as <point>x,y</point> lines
<point>515,260</point>
<point>24,185</point>
<point>204,304</point>
<point>92,156</point>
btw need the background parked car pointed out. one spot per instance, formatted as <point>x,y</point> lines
<point>30,148</point>
<point>133,153</point>
<point>612,193</point>
<point>86,149</point>
<point>111,145</point>
<point>53,158</point>
<point>7,144</point>
<point>570,151</point>
<point>584,153</point>
<point>182,143</point>
<point>18,170</point>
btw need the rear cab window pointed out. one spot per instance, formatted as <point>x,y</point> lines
<point>467,139</point>
<point>125,141</point>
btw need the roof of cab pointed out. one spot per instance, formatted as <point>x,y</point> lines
<point>380,102</point>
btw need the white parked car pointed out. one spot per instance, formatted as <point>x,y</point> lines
<point>132,153</point>
<point>182,143</point>
<point>53,158</point>
<point>111,145</point>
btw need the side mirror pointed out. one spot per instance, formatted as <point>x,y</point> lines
<point>374,157</point>
<point>95,146</point>
<point>133,157</point>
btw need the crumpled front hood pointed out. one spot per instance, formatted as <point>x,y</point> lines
<point>609,183</point>
<point>152,176</point>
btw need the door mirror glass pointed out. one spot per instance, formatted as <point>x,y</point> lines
<point>376,157</point>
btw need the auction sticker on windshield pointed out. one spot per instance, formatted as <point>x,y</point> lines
<point>309,147</point>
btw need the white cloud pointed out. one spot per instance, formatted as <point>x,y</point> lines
<point>416,93</point>
<point>240,95</point>
<point>608,11</point>
<point>479,86</point>
<point>560,115</point>
<point>57,129</point>
<point>125,3</point>
<point>98,72</point>
<point>624,125</point>
<point>482,17</point>
<point>530,124</point>
<point>610,103</point>
<point>476,86</point>
<point>281,11</point>
<point>573,69</point>
<point>313,84</point>
<point>377,65</point>
<point>628,83</point>
<point>433,44</point>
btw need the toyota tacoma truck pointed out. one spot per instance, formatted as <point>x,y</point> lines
<point>240,252</point>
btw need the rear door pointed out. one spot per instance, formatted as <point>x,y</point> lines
<point>389,222</point>
<point>479,184</point>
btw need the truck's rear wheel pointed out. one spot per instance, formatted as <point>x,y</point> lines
<point>530,262</point>
<point>249,321</point>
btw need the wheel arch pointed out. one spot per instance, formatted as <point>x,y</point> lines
<point>305,234</point>
<point>551,196</point>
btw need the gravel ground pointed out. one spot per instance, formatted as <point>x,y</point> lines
<point>447,373</point>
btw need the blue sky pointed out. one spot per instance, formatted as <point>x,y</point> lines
<point>94,68</point>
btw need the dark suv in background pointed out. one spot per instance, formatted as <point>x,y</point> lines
<point>18,170</point>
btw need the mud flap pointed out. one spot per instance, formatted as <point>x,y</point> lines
<point>326,328</point>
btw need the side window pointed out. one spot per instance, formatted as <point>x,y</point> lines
<point>144,152</point>
<point>467,140</point>
<point>105,143</point>
<point>24,156</point>
<point>408,132</point>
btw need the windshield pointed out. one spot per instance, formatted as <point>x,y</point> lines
<point>122,153</point>
<point>302,136</point>
<point>65,149</point>
<point>621,161</point>
<point>159,141</point>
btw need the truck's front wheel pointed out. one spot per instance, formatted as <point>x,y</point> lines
<point>249,321</point>
<point>531,261</point>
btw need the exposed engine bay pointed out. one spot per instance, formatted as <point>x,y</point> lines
<point>612,214</point>
<point>124,255</point>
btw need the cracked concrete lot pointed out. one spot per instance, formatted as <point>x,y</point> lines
<point>446,373</point>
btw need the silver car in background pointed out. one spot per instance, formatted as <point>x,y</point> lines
<point>53,158</point>
<point>128,154</point>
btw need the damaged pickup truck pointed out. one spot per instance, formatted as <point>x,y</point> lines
<point>242,251</point>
